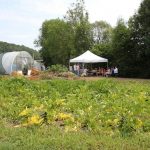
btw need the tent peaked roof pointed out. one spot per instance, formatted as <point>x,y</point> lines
<point>88,57</point>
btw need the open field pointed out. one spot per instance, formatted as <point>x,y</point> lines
<point>106,114</point>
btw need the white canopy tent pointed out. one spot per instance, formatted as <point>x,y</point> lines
<point>88,57</point>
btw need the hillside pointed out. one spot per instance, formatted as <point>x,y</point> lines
<point>8,47</point>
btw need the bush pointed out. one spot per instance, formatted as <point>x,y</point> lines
<point>58,68</point>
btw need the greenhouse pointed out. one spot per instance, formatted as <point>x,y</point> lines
<point>15,61</point>
<point>37,65</point>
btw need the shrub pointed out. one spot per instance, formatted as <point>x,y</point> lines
<point>58,68</point>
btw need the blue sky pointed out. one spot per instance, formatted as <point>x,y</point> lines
<point>20,20</point>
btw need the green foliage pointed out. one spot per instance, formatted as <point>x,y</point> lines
<point>93,105</point>
<point>130,44</point>
<point>63,39</point>
<point>140,35</point>
<point>104,50</point>
<point>101,32</point>
<point>58,68</point>
<point>121,49</point>
<point>85,114</point>
<point>7,47</point>
<point>77,18</point>
<point>125,46</point>
<point>56,42</point>
<point>83,38</point>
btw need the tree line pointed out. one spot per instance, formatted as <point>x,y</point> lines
<point>126,45</point>
<point>7,47</point>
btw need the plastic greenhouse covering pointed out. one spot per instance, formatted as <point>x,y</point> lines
<point>15,61</point>
<point>37,65</point>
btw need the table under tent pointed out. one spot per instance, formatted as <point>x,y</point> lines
<point>15,61</point>
<point>88,58</point>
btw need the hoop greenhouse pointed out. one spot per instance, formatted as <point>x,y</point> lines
<point>15,61</point>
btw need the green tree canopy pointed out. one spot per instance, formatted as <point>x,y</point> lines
<point>123,55</point>
<point>139,26</point>
<point>101,32</point>
<point>77,18</point>
<point>126,45</point>
<point>102,36</point>
<point>131,44</point>
<point>56,41</point>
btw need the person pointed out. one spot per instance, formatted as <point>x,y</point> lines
<point>94,72</point>
<point>99,71</point>
<point>25,70</point>
<point>75,68</point>
<point>70,68</point>
<point>78,69</point>
<point>112,71</point>
<point>42,67</point>
<point>116,71</point>
<point>108,72</point>
<point>84,74</point>
<point>103,71</point>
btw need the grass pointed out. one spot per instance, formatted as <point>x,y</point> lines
<point>63,114</point>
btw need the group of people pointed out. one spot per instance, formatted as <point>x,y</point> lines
<point>113,71</point>
<point>75,69</point>
<point>82,71</point>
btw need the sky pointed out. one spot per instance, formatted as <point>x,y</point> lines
<point>20,20</point>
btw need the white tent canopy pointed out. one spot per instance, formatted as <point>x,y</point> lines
<point>88,57</point>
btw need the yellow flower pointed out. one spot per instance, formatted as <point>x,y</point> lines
<point>63,116</point>
<point>39,108</point>
<point>81,112</point>
<point>89,108</point>
<point>24,112</point>
<point>35,119</point>
<point>115,121</point>
<point>139,123</point>
<point>108,121</point>
<point>60,102</point>
<point>71,129</point>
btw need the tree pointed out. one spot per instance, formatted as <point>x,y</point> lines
<point>123,54</point>
<point>131,44</point>
<point>139,26</point>
<point>102,36</point>
<point>56,42</point>
<point>101,32</point>
<point>77,18</point>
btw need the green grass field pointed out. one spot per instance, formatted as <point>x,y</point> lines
<point>106,114</point>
